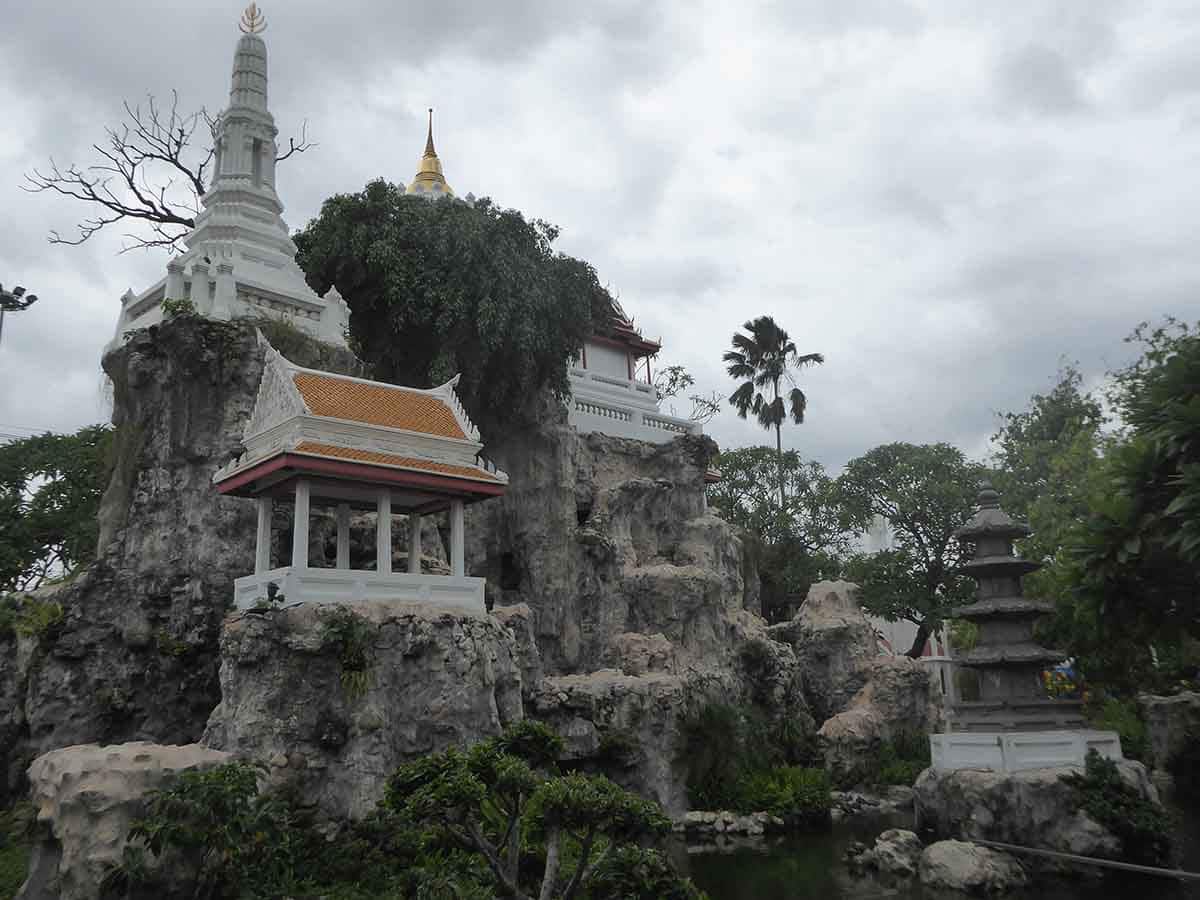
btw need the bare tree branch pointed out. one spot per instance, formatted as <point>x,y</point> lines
<point>149,170</point>
<point>299,146</point>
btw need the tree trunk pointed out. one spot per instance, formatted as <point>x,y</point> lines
<point>552,862</point>
<point>918,647</point>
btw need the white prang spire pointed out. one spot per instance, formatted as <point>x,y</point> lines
<point>241,261</point>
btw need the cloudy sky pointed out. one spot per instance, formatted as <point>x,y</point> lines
<point>944,198</point>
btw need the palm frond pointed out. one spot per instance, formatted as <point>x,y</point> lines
<point>798,403</point>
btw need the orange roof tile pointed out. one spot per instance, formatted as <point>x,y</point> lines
<point>387,459</point>
<point>377,404</point>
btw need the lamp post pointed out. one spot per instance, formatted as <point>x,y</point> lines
<point>14,301</point>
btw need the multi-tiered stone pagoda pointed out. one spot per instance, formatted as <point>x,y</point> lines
<point>240,258</point>
<point>1013,725</point>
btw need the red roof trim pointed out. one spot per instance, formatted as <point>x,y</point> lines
<point>357,471</point>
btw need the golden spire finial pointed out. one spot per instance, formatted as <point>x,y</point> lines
<point>429,151</point>
<point>253,21</point>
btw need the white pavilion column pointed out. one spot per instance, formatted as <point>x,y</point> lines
<point>383,533</point>
<point>458,565</point>
<point>300,526</point>
<point>414,544</point>
<point>262,545</point>
<point>343,536</point>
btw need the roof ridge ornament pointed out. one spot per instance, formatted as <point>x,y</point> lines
<point>253,20</point>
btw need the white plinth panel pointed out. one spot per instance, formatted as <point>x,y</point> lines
<point>622,408</point>
<point>304,585</point>
<point>1017,751</point>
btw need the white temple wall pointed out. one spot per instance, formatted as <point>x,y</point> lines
<point>609,361</point>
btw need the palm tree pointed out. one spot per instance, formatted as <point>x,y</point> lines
<point>764,358</point>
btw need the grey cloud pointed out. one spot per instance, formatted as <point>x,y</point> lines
<point>1039,79</point>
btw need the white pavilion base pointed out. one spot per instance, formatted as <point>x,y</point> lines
<point>305,585</point>
<point>1016,751</point>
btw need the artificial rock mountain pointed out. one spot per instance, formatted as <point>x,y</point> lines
<point>618,605</point>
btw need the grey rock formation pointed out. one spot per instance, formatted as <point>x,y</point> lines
<point>1034,808</point>
<point>136,654</point>
<point>335,698</point>
<point>629,725</point>
<point>605,537</point>
<point>898,696</point>
<point>1170,721</point>
<point>86,798</point>
<point>897,852</point>
<point>967,868</point>
<point>833,642</point>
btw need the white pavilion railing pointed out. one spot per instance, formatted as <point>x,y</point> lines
<point>294,585</point>
<point>622,408</point>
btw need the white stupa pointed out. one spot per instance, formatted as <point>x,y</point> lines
<point>240,259</point>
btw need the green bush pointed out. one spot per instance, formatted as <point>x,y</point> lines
<point>353,639</point>
<point>797,795</point>
<point>426,840</point>
<point>636,873</point>
<point>15,828</point>
<point>898,761</point>
<point>1123,717</point>
<point>173,308</point>
<point>39,619</point>
<point>1143,827</point>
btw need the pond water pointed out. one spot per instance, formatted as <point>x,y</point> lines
<point>808,866</point>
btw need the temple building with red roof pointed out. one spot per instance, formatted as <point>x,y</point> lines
<point>612,385</point>
<point>354,444</point>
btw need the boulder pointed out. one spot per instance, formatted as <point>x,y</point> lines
<point>897,852</point>
<point>833,642</point>
<point>86,798</point>
<point>898,696</point>
<point>1170,721</point>
<point>1034,808</point>
<point>968,868</point>
<point>337,697</point>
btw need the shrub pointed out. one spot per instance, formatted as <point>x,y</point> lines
<point>1143,827</point>
<point>352,638</point>
<point>636,873</point>
<point>797,795</point>
<point>1123,717</point>
<point>897,761</point>
<point>173,308</point>
<point>39,619</point>
<point>15,827</point>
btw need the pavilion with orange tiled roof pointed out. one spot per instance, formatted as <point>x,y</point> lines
<point>363,445</point>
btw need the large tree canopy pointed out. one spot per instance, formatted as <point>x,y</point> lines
<point>1134,598</point>
<point>446,287</point>
<point>50,488</point>
<point>925,493</point>
<point>803,541</point>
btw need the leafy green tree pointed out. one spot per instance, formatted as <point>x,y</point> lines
<point>493,798</point>
<point>763,360</point>
<point>1134,579</point>
<point>793,546</point>
<point>441,288</point>
<point>1046,458</point>
<point>50,489</point>
<point>925,492</point>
